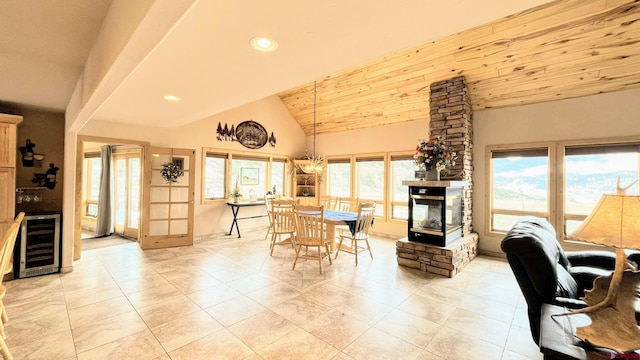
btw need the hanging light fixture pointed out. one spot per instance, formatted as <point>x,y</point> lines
<point>316,164</point>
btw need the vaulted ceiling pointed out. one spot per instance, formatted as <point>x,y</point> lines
<point>559,50</point>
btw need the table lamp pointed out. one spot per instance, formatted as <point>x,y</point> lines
<point>615,221</point>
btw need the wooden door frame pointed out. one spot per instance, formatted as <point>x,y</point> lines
<point>80,140</point>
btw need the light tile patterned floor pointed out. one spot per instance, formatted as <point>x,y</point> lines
<point>226,298</point>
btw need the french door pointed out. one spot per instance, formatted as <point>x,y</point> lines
<point>168,205</point>
<point>127,170</point>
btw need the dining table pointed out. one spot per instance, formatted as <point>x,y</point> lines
<point>333,218</point>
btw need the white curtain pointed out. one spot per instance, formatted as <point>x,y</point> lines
<point>104,223</point>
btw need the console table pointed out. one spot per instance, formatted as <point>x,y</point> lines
<point>558,342</point>
<point>235,207</point>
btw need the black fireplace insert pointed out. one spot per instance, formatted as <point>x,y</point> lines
<point>435,214</point>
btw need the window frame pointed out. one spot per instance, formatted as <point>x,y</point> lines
<point>228,155</point>
<point>373,157</point>
<point>561,151</point>
<point>88,178</point>
<point>392,156</point>
<point>550,215</point>
<point>386,157</point>
<point>343,159</point>
<point>557,178</point>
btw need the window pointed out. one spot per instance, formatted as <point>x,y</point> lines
<point>93,166</point>
<point>519,185</point>
<point>339,177</point>
<point>249,187</point>
<point>559,181</point>
<point>591,171</point>
<point>215,175</point>
<point>370,181</point>
<point>256,174</point>
<point>402,168</point>
<point>135,180</point>
<point>376,177</point>
<point>278,176</point>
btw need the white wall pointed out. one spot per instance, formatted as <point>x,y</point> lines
<point>599,116</point>
<point>396,137</point>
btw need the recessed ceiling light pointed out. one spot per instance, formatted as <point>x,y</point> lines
<point>172,98</point>
<point>264,44</point>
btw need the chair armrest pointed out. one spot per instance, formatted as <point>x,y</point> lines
<point>569,303</point>
<point>584,276</point>
<point>593,258</point>
<point>634,257</point>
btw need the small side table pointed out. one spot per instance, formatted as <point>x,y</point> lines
<point>235,207</point>
<point>558,342</point>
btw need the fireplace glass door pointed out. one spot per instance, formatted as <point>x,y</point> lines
<point>435,214</point>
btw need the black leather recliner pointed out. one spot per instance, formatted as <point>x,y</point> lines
<point>546,273</point>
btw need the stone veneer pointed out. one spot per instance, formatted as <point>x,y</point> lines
<point>446,261</point>
<point>451,118</point>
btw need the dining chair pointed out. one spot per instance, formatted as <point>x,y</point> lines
<point>310,233</point>
<point>361,231</point>
<point>268,199</point>
<point>283,222</point>
<point>6,252</point>
<point>328,202</point>
<point>346,204</point>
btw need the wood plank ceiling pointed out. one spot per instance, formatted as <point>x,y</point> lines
<point>560,50</point>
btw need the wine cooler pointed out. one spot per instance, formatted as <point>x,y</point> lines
<point>38,247</point>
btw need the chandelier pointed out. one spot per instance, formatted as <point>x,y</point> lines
<point>315,164</point>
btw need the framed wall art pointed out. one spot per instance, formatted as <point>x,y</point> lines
<point>250,176</point>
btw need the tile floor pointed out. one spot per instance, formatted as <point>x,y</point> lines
<point>226,298</point>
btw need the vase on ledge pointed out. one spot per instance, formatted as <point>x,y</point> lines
<point>433,175</point>
<point>427,175</point>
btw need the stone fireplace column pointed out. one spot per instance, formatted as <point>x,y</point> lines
<point>452,119</point>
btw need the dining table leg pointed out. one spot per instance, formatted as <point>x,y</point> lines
<point>331,236</point>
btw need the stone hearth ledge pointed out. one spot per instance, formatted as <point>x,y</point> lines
<point>442,183</point>
<point>446,261</point>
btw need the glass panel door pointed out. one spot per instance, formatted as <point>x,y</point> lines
<point>168,197</point>
<point>127,183</point>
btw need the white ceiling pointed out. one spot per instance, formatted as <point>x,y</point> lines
<point>206,58</point>
<point>43,47</point>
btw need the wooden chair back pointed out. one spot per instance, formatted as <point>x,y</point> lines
<point>8,243</point>
<point>309,225</point>
<point>268,204</point>
<point>347,204</point>
<point>282,216</point>
<point>364,222</point>
<point>6,252</point>
<point>268,199</point>
<point>328,202</point>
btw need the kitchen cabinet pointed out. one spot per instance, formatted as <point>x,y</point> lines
<point>8,148</point>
